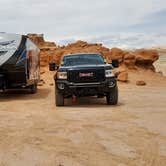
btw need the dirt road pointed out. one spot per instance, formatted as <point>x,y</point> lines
<point>33,132</point>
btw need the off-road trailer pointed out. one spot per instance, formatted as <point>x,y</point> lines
<point>19,62</point>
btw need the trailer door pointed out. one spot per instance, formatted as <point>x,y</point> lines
<point>33,62</point>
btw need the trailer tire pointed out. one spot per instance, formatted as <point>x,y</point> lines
<point>33,88</point>
<point>112,96</point>
<point>59,98</point>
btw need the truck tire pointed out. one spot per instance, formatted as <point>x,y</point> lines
<point>112,96</point>
<point>33,88</point>
<point>59,99</point>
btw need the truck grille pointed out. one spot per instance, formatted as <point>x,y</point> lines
<point>86,76</point>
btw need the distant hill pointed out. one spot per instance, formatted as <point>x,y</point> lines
<point>160,49</point>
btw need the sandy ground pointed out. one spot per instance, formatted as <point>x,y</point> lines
<point>34,132</point>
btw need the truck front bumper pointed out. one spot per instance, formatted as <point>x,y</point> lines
<point>83,89</point>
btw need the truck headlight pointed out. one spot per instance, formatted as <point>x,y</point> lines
<point>62,75</point>
<point>109,73</point>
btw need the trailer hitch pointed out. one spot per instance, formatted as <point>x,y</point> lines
<point>74,99</point>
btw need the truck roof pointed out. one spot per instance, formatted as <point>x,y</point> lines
<point>82,54</point>
<point>9,43</point>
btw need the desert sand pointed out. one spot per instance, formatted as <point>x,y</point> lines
<point>34,132</point>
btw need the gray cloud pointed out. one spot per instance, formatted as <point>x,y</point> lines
<point>76,18</point>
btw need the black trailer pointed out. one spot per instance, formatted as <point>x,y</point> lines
<point>19,62</point>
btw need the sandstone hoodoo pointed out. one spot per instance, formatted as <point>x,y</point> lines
<point>146,58</point>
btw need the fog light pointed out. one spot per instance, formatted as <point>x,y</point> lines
<point>61,86</point>
<point>111,84</point>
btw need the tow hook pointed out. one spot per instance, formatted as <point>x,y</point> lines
<point>74,99</point>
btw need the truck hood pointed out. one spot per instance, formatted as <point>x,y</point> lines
<point>79,67</point>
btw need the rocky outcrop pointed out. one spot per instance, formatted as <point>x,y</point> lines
<point>38,39</point>
<point>129,60</point>
<point>121,73</point>
<point>47,49</point>
<point>116,53</point>
<point>123,77</point>
<point>146,58</point>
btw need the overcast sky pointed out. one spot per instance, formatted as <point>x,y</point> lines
<point>61,19</point>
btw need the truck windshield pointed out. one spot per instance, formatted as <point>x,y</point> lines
<point>83,59</point>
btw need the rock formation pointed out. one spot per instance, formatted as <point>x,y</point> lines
<point>129,60</point>
<point>140,83</point>
<point>47,49</point>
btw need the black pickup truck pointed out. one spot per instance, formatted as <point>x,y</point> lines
<point>85,74</point>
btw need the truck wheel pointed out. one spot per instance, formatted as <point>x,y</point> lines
<point>33,88</point>
<point>112,96</point>
<point>59,100</point>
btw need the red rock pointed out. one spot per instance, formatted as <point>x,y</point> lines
<point>146,57</point>
<point>139,59</point>
<point>117,53</point>
<point>141,83</point>
<point>129,60</point>
<point>123,77</point>
<point>119,70</point>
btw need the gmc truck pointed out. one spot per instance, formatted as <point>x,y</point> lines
<point>81,75</point>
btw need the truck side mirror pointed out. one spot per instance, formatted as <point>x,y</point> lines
<point>115,63</point>
<point>53,66</point>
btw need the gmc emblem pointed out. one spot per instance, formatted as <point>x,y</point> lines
<point>86,74</point>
